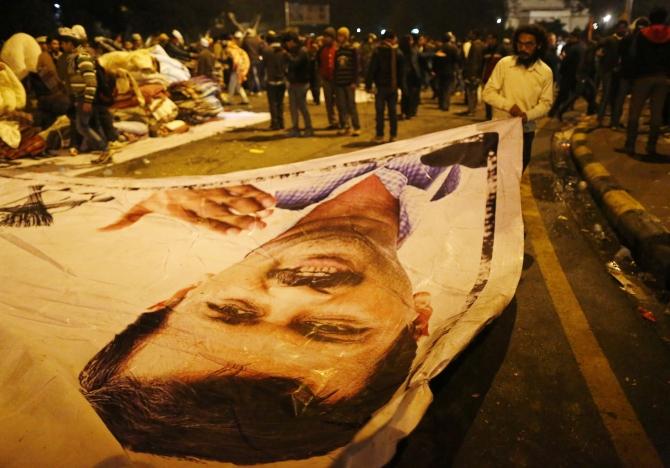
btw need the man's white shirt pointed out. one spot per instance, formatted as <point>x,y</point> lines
<point>529,88</point>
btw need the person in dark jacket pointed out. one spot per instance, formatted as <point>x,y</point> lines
<point>609,59</point>
<point>626,70</point>
<point>652,79</point>
<point>298,79</point>
<point>577,76</point>
<point>493,52</point>
<point>346,80</point>
<point>445,62</point>
<point>386,72</point>
<point>409,102</point>
<point>275,60</point>
<point>206,60</point>
<point>473,65</point>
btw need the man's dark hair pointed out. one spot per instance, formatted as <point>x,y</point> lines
<point>389,34</point>
<point>658,15</point>
<point>536,31</point>
<point>243,420</point>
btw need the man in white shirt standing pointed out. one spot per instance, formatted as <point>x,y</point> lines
<point>521,85</point>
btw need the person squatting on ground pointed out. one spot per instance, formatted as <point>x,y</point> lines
<point>652,79</point>
<point>346,80</point>
<point>386,72</point>
<point>298,78</point>
<point>522,85</point>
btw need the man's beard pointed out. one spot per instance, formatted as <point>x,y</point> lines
<point>527,60</point>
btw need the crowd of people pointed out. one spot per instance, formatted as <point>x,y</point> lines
<point>98,83</point>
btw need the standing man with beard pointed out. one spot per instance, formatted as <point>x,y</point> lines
<point>521,85</point>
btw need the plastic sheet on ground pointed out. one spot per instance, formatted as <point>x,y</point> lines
<point>291,315</point>
<point>76,165</point>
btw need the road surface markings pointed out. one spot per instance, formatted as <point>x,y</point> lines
<point>627,434</point>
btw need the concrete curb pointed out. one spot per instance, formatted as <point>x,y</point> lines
<point>639,230</point>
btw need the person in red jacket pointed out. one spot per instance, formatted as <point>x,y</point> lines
<point>325,58</point>
<point>652,79</point>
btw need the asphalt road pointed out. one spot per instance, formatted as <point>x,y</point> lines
<point>570,375</point>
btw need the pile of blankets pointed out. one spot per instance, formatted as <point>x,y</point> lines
<point>154,94</point>
<point>198,99</point>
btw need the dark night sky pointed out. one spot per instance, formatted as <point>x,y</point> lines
<point>195,16</point>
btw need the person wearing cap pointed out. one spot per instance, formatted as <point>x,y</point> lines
<point>175,49</point>
<point>298,78</point>
<point>137,41</point>
<point>345,77</point>
<point>206,60</point>
<point>239,70</point>
<point>82,87</point>
<point>275,60</point>
<point>386,73</point>
<point>326,63</point>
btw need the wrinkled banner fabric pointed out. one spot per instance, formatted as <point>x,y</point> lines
<point>291,315</point>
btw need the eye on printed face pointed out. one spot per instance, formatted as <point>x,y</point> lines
<point>322,305</point>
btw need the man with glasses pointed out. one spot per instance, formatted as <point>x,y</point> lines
<point>521,85</point>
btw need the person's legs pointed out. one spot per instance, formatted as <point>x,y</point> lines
<point>341,102</point>
<point>329,97</point>
<point>243,93</point>
<point>302,106</point>
<point>471,89</point>
<point>658,93</point>
<point>106,123</point>
<point>441,92</point>
<point>415,99</point>
<point>232,85</point>
<point>404,103</point>
<point>293,106</point>
<point>527,148</point>
<point>392,102</point>
<point>351,107</point>
<point>606,80</point>
<point>91,140</point>
<point>625,85</point>
<point>380,103</point>
<point>641,89</point>
<point>272,93</point>
<point>280,91</point>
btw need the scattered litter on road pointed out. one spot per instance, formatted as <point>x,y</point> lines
<point>646,314</point>
<point>562,218</point>
<point>146,161</point>
<point>256,151</point>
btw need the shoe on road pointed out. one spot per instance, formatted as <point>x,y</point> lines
<point>378,139</point>
<point>626,150</point>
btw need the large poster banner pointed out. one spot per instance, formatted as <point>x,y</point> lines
<point>291,315</point>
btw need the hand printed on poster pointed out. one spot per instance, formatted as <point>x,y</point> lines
<point>226,210</point>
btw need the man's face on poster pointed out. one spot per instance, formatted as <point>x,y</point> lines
<point>321,304</point>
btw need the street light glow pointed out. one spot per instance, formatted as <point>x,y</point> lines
<point>607,18</point>
<point>358,30</point>
<point>415,31</point>
<point>498,20</point>
<point>383,31</point>
<point>57,6</point>
<point>595,26</point>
